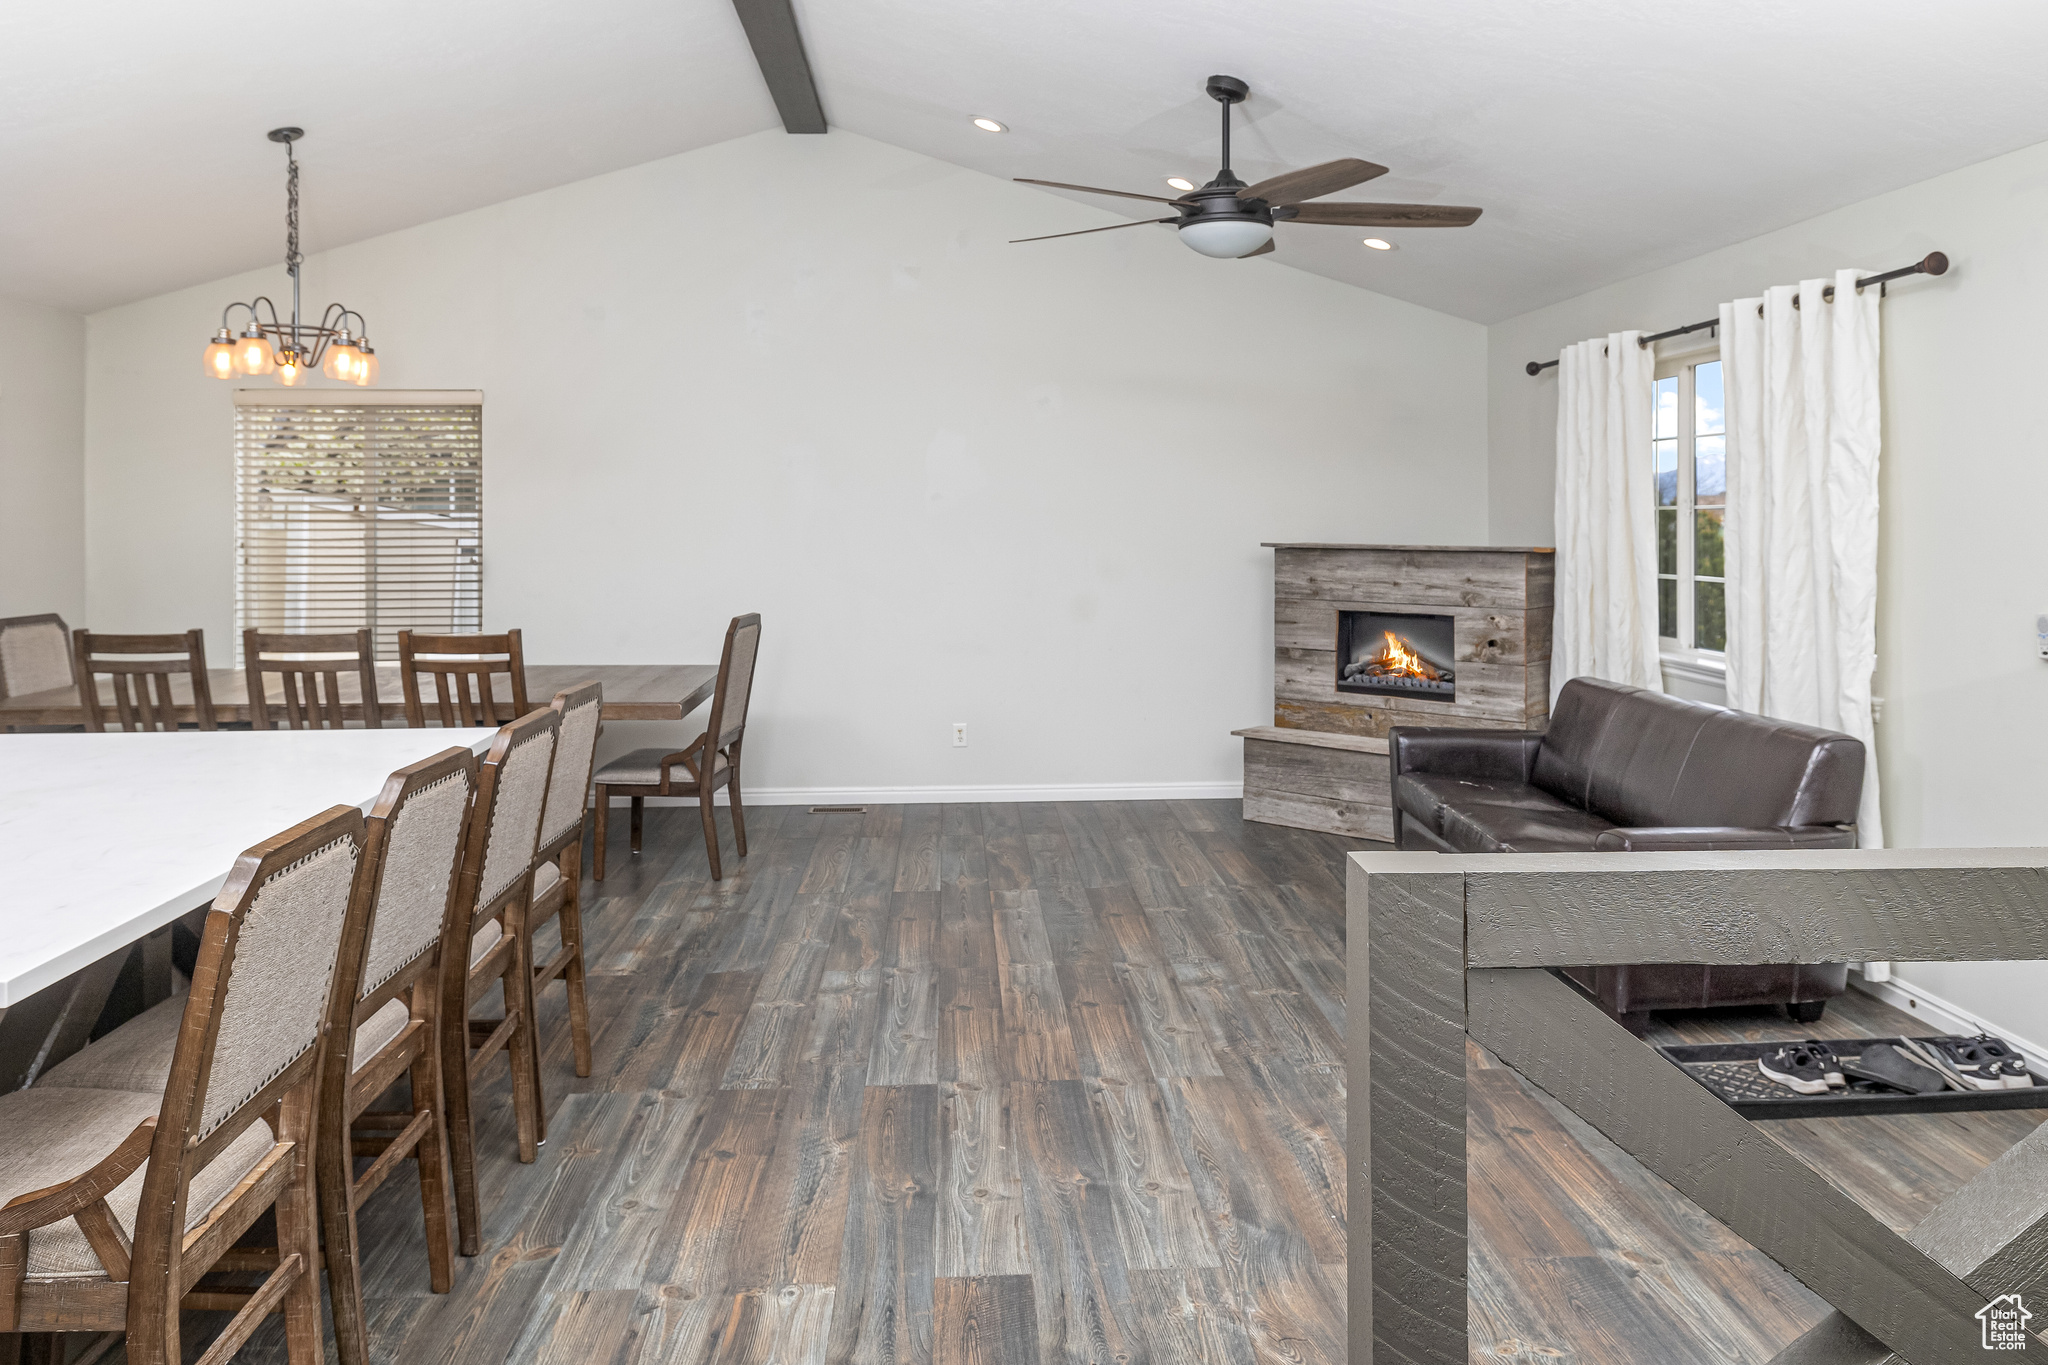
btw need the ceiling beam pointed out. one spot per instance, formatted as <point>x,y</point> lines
<point>779,48</point>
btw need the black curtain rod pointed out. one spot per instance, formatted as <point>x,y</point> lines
<point>1934,264</point>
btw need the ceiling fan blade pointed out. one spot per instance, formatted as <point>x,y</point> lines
<point>1312,182</point>
<point>1090,189</point>
<point>1142,222</point>
<point>1258,251</point>
<point>1386,215</point>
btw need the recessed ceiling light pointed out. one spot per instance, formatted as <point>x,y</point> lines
<point>1180,182</point>
<point>989,125</point>
<point>1377,245</point>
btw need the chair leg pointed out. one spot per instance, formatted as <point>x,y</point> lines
<point>604,803</point>
<point>436,1204</point>
<point>518,987</point>
<point>572,943</point>
<point>298,1230</point>
<point>639,809</point>
<point>708,809</point>
<point>455,1096</point>
<point>335,1191</point>
<point>739,815</point>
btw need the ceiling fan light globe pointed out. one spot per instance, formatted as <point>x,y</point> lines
<point>1227,239</point>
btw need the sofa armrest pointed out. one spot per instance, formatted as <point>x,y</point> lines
<point>1674,837</point>
<point>1477,755</point>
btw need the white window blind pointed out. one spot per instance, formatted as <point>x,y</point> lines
<point>358,509</point>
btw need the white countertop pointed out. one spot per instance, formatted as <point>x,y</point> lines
<point>106,837</point>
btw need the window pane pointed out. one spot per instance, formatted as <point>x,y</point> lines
<point>1710,616</point>
<point>1710,471</point>
<point>1709,418</point>
<point>1667,608</point>
<point>1666,453</point>
<point>1667,540</point>
<point>1709,558</point>
<point>1667,409</point>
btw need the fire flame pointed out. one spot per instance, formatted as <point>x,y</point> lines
<point>1398,659</point>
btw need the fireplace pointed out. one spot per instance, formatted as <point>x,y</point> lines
<point>1399,654</point>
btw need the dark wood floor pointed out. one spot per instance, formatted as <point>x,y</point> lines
<point>1004,1083</point>
<point>1042,1083</point>
<point>1582,1257</point>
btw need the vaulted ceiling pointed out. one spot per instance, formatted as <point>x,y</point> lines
<point>1602,137</point>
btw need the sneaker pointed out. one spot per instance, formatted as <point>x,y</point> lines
<point>1810,1068</point>
<point>1982,1063</point>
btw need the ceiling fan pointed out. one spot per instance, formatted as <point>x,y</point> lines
<point>1227,218</point>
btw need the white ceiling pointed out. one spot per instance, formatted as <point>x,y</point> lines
<point>1602,137</point>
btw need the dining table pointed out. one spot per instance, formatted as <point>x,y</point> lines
<point>110,838</point>
<point>631,692</point>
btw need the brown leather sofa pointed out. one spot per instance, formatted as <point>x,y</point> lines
<point>1622,769</point>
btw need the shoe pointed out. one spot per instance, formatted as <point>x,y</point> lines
<point>1998,1061</point>
<point>1885,1063</point>
<point>1980,1063</point>
<point>1810,1068</point>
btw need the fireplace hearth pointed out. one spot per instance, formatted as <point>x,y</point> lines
<point>1398,654</point>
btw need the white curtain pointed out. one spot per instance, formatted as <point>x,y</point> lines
<point>1605,623</point>
<point>1803,436</point>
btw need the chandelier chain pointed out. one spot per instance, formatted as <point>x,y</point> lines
<point>291,212</point>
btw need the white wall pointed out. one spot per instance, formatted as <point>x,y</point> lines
<point>42,449</point>
<point>1018,486</point>
<point>1964,735</point>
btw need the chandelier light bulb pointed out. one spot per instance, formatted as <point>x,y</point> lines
<point>252,354</point>
<point>365,366</point>
<point>341,359</point>
<point>220,356</point>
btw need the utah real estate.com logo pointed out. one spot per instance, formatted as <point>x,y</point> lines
<point>2005,1323</point>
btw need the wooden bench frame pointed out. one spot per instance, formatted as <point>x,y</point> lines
<point>1441,947</point>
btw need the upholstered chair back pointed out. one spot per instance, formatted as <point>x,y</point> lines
<point>512,788</point>
<point>35,655</point>
<point>415,838</point>
<point>735,680</point>
<point>277,964</point>
<point>580,708</point>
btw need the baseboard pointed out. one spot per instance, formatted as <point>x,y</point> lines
<point>904,796</point>
<point>1943,1016</point>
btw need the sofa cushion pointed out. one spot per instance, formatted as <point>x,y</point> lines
<point>1641,758</point>
<point>1524,827</point>
<point>1425,797</point>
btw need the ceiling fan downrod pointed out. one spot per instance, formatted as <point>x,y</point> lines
<point>1226,91</point>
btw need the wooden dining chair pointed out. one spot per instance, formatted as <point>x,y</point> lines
<point>146,704</point>
<point>465,669</point>
<point>385,1028</point>
<point>117,1200</point>
<point>485,945</point>
<point>558,870</point>
<point>309,667</point>
<point>711,761</point>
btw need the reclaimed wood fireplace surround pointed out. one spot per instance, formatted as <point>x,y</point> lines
<point>1322,763</point>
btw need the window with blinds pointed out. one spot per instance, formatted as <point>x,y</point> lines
<point>358,509</point>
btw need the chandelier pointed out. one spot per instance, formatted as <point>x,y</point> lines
<point>338,346</point>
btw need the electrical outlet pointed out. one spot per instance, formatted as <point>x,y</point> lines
<point>959,734</point>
